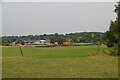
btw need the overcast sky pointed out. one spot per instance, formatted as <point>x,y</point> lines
<point>26,18</point>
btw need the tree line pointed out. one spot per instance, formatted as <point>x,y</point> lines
<point>79,37</point>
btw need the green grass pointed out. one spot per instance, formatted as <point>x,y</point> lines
<point>51,52</point>
<point>58,62</point>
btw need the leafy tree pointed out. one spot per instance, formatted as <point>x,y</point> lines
<point>75,39</point>
<point>82,40</point>
<point>113,35</point>
<point>56,34</point>
<point>61,40</point>
<point>20,42</point>
<point>6,41</point>
<point>52,40</point>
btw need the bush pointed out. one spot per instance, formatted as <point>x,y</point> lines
<point>109,44</point>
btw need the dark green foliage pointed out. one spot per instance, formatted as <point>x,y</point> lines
<point>61,40</point>
<point>53,40</point>
<point>109,44</point>
<point>20,42</point>
<point>75,39</point>
<point>113,35</point>
<point>6,41</point>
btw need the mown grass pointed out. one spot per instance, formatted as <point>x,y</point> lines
<point>59,62</point>
<point>52,52</point>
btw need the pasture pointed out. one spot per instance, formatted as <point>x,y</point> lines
<point>59,62</point>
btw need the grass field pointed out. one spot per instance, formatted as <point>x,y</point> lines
<point>59,62</point>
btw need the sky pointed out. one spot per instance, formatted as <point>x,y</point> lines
<point>59,0</point>
<point>35,18</point>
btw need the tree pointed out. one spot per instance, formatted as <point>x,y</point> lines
<point>82,40</point>
<point>61,40</point>
<point>56,34</point>
<point>113,35</point>
<point>6,41</point>
<point>52,40</point>
<point>20,42</point>
<point>75,39</point>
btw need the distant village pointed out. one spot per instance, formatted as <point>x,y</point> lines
<point>82,37</point>
<point>31,42</point>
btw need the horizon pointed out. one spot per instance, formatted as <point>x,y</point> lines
<point>54,33</point>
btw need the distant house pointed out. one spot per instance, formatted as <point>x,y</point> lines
<point>30,42</point>
<point>68,40</point>
<point>42,41</point>
<point>35,41</point>
<point>14,43</point>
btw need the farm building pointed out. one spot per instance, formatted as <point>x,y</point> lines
<point>35,41</point>
<point>30,42</point>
